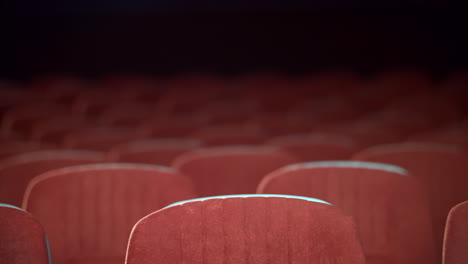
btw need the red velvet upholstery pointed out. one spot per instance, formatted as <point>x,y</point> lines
<point>157,152</point>
<point>316,147</point>
<point>100,139</point>
<point>229,135</point>
<point>441,168</point>
<point>10,148</point>
<point>54,130</point>
<point>127,114</point>
<point>390,208</point>
<point>22,118</point>
<point>17,171</point>
<point>241,230</point>
<point>22,238</point>
<point>174,126</point>
<point>88,211</point>
<point>449,136</point>
<point>456,236</point>
<point>230,170</point>
<point>365,134</point>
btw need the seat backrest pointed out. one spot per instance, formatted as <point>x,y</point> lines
<point>230,170</point>
<point>156,151</point>
<point>440,168</point>
<point>316,147</point>
<point>100,138</point>
<point>246,229</point>
<point>390,208</point>
<point>230,135</point>
<point>456,136</point>
<point>11,148</point>
<point>22,118</point>
<point>17,171</point>
<point>456,236</point>
<point>22,238</point>
<point>88,211</point>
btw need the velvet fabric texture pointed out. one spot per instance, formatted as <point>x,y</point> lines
<point>17,171</point>
<point>442,169</point>
<point>158,152</point>
<point>230,170</point>
<point>11,148</point>
<point>456,236</point>
<point>99,139</point>
<point>88,211</point>
<point>229,135</point>
<point>316,147</point>
<point>22,238</point>
<point>390,209</point>
<point>235,230</point>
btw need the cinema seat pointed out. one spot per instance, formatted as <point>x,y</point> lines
<point>455,136</point>
<point>390,207</point>
<point>100,138</point>
<point>21,119</point>
<point>230,170</point>
<point>316,147</point>
<point>127,114</point>
<point>153,151</point>
<point>242,229</point>
<point>88,211</point>
<point>11,148</point>
<point>17,171</point>
<point>229,135</point>
<point>54,130</point>
<point>440,168</point>
<point>22,238</point>
<point>456,235</point>
<point>363,134</point>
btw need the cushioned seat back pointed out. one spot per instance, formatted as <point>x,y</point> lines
<point>456,236</point>
<point>246,229</point>
<point>10,148</point>
<point>157,152</point>
<point>230,170</point>
<point>316,147</point>
<point>442,169</point>
<point>390,208</point>
<point>17,171</point>
<point>230,135</point>
<point>100,139</point>
<point>22,238</point>
<point>88,211</point>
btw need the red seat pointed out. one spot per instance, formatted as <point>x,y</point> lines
<point>316,147</point>
<point>100,139</point>
<point>54,130</point>
<point>17,171</point>
<point>127,114</point>
<point>229,112</point>
<point>364,134</point>
<point>379,197</point>
<point>22,238</point>
<point>174,126</point>
<point>21,119</point>
<point>281,124</point>
<point>456,136</point>
<point>230,170</point>
<point>156,151</point>
<point>246,229</point>
<point>456,236</point>
<point>440,168</point>
<point>229,135</point>
<point>11,148</point>
<point>88,211</point>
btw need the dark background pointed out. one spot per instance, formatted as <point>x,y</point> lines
<point>168,37</point>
